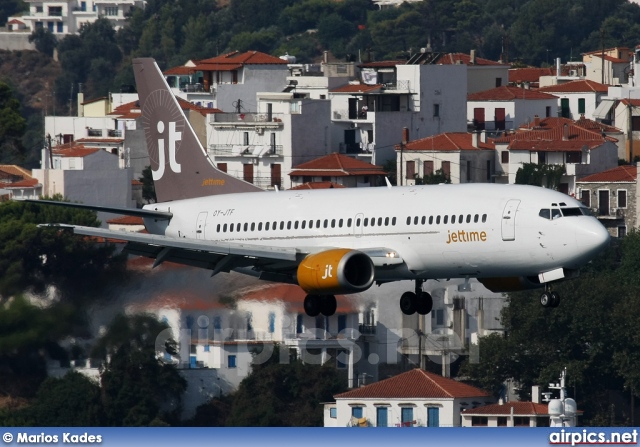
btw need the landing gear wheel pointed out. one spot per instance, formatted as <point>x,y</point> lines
<point>312,305</point>
<point>546,299</point>
<point>328,305</point>
<point>555,299</point>
<point>408,303</point>
<point>424,303</point>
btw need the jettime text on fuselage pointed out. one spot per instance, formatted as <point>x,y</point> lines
<point>466,236</point>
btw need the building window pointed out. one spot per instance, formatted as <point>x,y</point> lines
<point>574,157</point>
<point>468,170</point>
<point>55,11</point>
<point>111,11</point>
<point>622,231</point>
<point>272,322</point>
<point>406,416</point>
<point>382,417</point>
<point>502,421</point>
<point>479,421</point>
<point>217,322</point>
<point>356,412</point>
<point>39,8</point>
<point>207,348</point>
<point>548,112</point>
<point>446,168</point>
<point>622,198</point>
<point>411,169</point>
<point>436,110</point>
<point>342,323</point>
<point>505,156</point>
<point>520,421</point>
<point>498,82</point>
<point>439,316</point>
<point>333,413</point>
<point>231,361</point>
<point>245,138</point>
<point>428,168</point>
<point>585,197</point>
<point>433,417</point>
<point>581,105</point>
<point>60,27</point>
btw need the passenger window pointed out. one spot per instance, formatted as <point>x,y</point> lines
<point>358,222</point>
<point>484,218</point>
<point>303,223</point>
<point>475,219</point>
<point>373,221</point>
<point>461,219</point>
<point>423,220</point>
<point>340,223</point>
<point>333,223</point>
<point>231,228</point>
<point>393,221</point>
<point>379,221</point>
<point>259,226</point>
<point>546,213</point>
<point>430,220</point>
<point>246,226</point>
<point>253,226</point>
<point>326,223</point>
<point>453,219</point>
<point>218,229</point>
<point>386,221</point>
<point>445,219</point>
<point>275,226</point>
<point>409,220</point>
<point>288,225</point>
<point>366,221</point>
<point>349,222</point>
<point>555,213</point>
<point>415,220</point>
<point>311,224</point>
<point>468,218</point>
<point>318,223</point>
<point>224,228</point>
<point>295,225</point>
<point>437,220</point>
<point>282,225</point>
<point>266,226</point>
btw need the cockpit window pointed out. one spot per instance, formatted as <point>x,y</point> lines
<point>555,213</point>
<point>571,212</point>
<point>546,213</point>
<point>586,211</point>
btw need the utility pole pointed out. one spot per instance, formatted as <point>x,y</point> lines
<point>405,140</point>
<point>630,132</point>
<point>602,55</point>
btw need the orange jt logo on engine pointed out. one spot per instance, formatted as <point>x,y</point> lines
<point>327,271</point>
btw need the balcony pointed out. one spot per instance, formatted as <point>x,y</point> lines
<point>275,118</point>
<point>242,150</point>
<point>489,126</point>
<point>397,86</point>
<point>610,213</point>
<point>114,133</point>
<point>94,132</point>
<point>267,182</point>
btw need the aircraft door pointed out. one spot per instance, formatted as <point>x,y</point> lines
<point>509,220</point>
<point>200,225</point>
<point>358,224</point>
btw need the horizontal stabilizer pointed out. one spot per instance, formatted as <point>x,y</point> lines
<point>159,215</point>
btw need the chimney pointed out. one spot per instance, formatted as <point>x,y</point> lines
<point>535,394</point>
<point>325,57</point>
<point>405,135</point>
<point>565,132</point>
<point>558,67</point>
<point>472,57</point>
<point>80,106</point>
<point>475,139</point>
<point>536,121</point>
<point>483,136</point>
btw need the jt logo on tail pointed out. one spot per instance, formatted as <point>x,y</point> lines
<point>173,138</point>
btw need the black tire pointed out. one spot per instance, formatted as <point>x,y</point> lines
<point>408,303</point>
<point>312,305</point>
<point>424,303</point>
<point>555,299</point>
<point>328,305</point>
<point>545,299</point>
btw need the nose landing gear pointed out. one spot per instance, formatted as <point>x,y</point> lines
<point>549,298</point>
<point>419,301</point>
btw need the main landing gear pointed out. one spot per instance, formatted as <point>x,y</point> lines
<point>419,301</point>
<point>549,298</point>
<point>315,305</point>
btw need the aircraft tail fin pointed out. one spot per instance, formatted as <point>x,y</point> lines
<point>180,165</point>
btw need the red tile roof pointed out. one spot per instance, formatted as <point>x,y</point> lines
<point>75,151</point>
<point>414,384</point>
<point>620,174</point>
<point>381,64</point>
<point>91,101</point>
<point>552,140</point>
<point>582,86</point>
<point>15,170</point>
<point>556,121</point>
<point>357,88</point>
<point>15,22</point>
<point>529,74</point>
<point>92,140</point>
<point>129,110</point>
<point>126,220</point>
<point>449,141</point>
<point>594,125</point>
<point>464,58</point>
<point>506,93</point>
<point>519,409</point>
<point>631,102</point>
<point>26,183</point>
<point>227,62</point>
<point>186,105</point>
<point>135,182</point>
<point>336,165</point>
<point>318,185</point>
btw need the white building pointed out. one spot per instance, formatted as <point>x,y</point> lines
<point>509,414</point>
<point>62,17</point>
<point>416,398</point>
<point>577,98</point>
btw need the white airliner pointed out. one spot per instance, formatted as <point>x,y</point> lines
<point>340,241</point>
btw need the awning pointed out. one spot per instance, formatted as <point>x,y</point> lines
<point>603,109</point>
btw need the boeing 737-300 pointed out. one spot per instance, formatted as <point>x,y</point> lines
<point>340,241</point>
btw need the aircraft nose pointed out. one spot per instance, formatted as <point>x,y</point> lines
<point>592,237</point>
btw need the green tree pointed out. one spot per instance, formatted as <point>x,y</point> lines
<point>284,395</point>
<point>12,126</point>
<point>9,8</point>
<point>71,401</point>
<point>148,187</point>
<point>540,174</point>
<point>45,41</point>
<point>138,388</point>
<point>436,178</point>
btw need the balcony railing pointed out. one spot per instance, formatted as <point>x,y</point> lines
<point>94,132</point>
<point>611,213</point>
<point>489,126</point>
<point>267,182</point>
<point>397,85</point>
<point>246,117</point>
<point>114,133</point>
<point>241,150</point>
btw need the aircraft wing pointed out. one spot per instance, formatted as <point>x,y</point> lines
<point>265,262</point>
<point>159,215</point>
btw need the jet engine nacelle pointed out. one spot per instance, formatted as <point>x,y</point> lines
<point>512,284</point>
<point>336,271</point>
